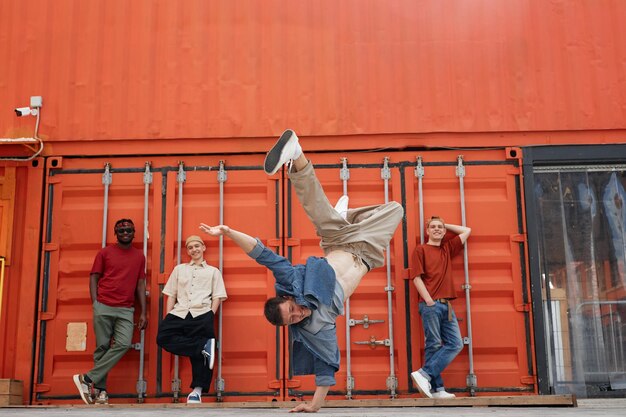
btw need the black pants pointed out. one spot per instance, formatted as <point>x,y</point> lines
<point>187,337</point>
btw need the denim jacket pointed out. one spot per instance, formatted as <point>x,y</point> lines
<point>311,285</point>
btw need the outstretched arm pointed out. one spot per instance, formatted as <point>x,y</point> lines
<point>244,241</point>
<point>462,231</point>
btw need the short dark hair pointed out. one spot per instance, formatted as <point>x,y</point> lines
<point>271,311</point>
<point>120,221</point>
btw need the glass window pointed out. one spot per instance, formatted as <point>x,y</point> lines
<point>583,268</point>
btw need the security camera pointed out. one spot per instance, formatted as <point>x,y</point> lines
<point>25,111</point>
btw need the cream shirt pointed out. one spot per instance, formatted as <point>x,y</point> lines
<point>194,287</point>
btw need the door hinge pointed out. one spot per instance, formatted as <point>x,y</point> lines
<point>274,384</point>
<point>46,315</point>
<point>294,383</point>
<point>50,247</point>
<point>520,237</point>
<point>42,387</point>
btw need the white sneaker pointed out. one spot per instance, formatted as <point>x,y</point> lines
<point>423,385</point>
<point>443,395</point>
<point>285,150</point>
<point>342,206</point>
<point>194,398</point>
<point>209,352</point>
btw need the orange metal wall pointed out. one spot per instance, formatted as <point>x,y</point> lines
<point>17,318</point>
<point>254,363</point>
<point>74,200</point>
<point>114,70</point>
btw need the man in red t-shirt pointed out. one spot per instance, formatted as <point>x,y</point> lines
<point>433,280</point>
<point>117,277</point>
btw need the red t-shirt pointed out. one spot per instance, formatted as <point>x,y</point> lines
<point>119,270</point>
<point>434,264</point>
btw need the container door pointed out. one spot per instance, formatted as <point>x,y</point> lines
<point>368,347</point>
<point>249,347</point>
<point>73,233</point>
<point>7,204</point>
<point>501,351</point>
<point>377,359</point>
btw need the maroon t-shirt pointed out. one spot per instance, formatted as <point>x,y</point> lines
<point>119,270</point>
<point>434,264</point>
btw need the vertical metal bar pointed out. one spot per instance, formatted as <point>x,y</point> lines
<point>344,176</point>
<point>181,177</point>
<point>614,341</point>
<point>392,381</point>
<point>471,377</point>
<point>419,173</point>
<point>219,381</point>
<point>601,349</point>
<point>147,180</point>
<point>45,286</point>
<point>107,179</point>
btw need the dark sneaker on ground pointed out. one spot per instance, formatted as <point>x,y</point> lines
<point>102,397</point>
<point>209,352</point>
<point>84,388</point>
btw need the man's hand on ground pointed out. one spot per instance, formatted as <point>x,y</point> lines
<point>304,408</point>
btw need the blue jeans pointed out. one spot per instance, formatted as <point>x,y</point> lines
<point>443,341</point>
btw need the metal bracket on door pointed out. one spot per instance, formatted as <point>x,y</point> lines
<point>373,342</point>
<point>365,322</point>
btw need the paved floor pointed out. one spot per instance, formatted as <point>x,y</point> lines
<point>586,408</point>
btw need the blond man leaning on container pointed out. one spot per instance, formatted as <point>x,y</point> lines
<point>195,291</point>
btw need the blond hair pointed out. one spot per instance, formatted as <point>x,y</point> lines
<point>435,218</point>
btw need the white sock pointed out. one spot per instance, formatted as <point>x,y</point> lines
<point>198,390</point>
<point>297,151</point>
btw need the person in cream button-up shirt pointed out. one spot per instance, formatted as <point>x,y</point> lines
<point>194,292</point>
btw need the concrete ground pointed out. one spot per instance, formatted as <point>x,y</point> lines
<point>586,408</point>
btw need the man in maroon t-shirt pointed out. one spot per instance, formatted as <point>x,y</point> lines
<point>117,277</point>
<point>433,280</point>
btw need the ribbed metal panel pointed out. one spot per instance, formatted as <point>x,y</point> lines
<point>223,69</point>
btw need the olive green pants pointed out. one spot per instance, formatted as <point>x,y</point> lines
<point>113,327</point>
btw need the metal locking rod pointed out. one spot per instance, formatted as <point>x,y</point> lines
<point>181,178</point>
<point>147,180</point>
<point>220,384</point>
<point>392,381</point>
<point>471,376</point>
<point>344,176</point>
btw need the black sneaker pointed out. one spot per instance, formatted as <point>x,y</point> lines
<point>285,150</point>
<point>209,352</point>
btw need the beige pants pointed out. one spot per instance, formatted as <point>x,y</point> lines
<point>365,233</point>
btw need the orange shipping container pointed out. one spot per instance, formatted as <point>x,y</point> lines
<point>417,72</point>
<point>254,361</point>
